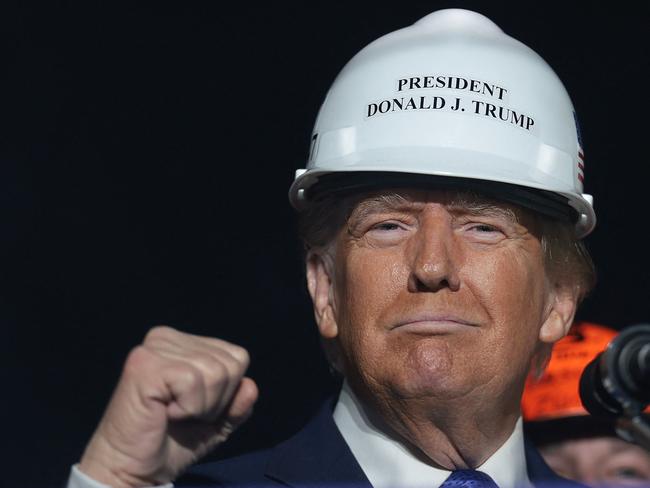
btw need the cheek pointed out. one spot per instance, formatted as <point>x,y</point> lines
<point>559,462</point>
<point>510,290</point>
<point>507,281</point>
<point>367,286</point>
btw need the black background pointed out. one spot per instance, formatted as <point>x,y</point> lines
<point>147,149</point>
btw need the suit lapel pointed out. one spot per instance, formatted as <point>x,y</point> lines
<point>317,456</point>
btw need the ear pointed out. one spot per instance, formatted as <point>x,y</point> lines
<point>563,306</point>
<point>320,285</point>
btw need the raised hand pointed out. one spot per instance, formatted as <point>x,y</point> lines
<point>179,396</point>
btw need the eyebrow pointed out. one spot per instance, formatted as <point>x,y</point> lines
<point>381,203</point>
<point>463,203</point>
<point>483,208</point>
<point>622,448</point>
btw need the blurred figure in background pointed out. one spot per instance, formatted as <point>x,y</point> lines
<point>575,444</point>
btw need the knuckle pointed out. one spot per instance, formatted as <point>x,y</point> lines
<point>138,359</point>
<point>218,384</point>
<point>189,376</point>
<point>219,372</point>
<point>219,378</point>
<point>210,364</point>
<point>234,351</point>
<point>159,332</point>
<point>240,354</point>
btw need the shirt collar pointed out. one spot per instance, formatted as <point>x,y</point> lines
<point>387,463</point>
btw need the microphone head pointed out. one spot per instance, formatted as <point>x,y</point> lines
<point>634,365</point>
<point>595,398</point>
<point>616,381</point>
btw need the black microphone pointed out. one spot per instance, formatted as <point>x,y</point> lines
<point>617,381</point>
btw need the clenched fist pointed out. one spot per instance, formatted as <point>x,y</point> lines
<point>179,396</point>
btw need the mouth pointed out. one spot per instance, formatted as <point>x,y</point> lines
<point>433,325</point>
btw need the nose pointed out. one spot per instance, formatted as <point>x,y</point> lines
<point>435,259</point>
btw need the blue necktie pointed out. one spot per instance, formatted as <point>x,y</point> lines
<point>468,478</point>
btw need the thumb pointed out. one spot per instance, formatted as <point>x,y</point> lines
<point>201,438</point>
<point>241,406</point>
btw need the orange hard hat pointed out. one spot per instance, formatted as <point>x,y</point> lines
<point>556,394</point>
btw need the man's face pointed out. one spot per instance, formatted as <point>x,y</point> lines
<point>437,296</point>
<point>599,461</point>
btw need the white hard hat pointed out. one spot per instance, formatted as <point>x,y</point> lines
<point>450,100</point>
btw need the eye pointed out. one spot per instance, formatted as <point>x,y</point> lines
<point>386,226</point>
<point>387,232</point>
<point>484,232</point>
<point>633,471</point>
<point>485,228</point>
<point>627,473</point>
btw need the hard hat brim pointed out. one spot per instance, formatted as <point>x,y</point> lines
<point>553,431</point>
<point>541,201</point>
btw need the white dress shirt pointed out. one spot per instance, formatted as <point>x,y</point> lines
<point>388,464</point>
<point>78,479</point>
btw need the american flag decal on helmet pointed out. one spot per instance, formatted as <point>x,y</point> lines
<point>581,154</point>
<point>581,164</point>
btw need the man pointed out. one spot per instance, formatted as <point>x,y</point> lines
<point>441,210</point>
<point>579,446</point>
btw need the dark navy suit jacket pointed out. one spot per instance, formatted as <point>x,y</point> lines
<point>317,457</point>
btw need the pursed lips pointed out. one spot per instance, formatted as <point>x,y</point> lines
<point>429,323</point>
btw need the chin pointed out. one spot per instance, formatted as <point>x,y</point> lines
<point>427,370</point>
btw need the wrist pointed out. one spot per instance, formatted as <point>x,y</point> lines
<point>107,465</point>
<point>106,477</point>
<point>79,479</point>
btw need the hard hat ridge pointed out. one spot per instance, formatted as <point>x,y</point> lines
<point>455,19</point>
<point>450,96</point>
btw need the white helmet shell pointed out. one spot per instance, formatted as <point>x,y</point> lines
<point>451,96</point>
